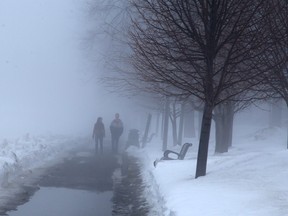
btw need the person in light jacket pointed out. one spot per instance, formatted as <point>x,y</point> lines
<point>116,129</point>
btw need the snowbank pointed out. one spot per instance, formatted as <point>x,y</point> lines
<point>250,180</point>
<point>24,154</point>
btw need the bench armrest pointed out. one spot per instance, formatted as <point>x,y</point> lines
<point>166,155</point>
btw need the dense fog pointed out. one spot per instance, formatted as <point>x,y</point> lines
<point>47,82</point>
<point>50,60</point>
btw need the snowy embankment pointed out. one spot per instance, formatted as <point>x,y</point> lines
<point>21,156</point>
<point>250,180</point>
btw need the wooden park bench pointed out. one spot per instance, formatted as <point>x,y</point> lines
<point>167,155</point>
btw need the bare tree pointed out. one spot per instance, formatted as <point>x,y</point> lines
<point>275,59</point>
<point>203,48</point>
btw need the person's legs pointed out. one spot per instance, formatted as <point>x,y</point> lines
<point>116,144</point>
<point>96,145</point>
<point>113,143</point>
<point>101,144</point>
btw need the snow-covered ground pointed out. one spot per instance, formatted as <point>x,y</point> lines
<point>21,159</point>
<point>249,180</point>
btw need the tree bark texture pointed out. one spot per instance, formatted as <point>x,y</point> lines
<point>204,141</point>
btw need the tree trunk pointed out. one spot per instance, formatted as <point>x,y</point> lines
<point>193,133</point>
<point>166,124</point>
<point>224,115</point>
<point>230,123</point>
<point>286,101</point>
<point>287,136</point>
<point>219,130</point>
<point>204,141</point>
<point>189,121</point>
<point>200,115</point>
<point>275,115</point>
<point>181,124</point>
<point>157,123</point>
<point>146,130</point>
<point>162,122</point>
<point>225,130</point>
<point>174,125</point>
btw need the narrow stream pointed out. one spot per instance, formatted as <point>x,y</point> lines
<point>83,185</point>
<point>66,202</point>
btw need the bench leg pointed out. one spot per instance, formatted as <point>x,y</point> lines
<point>156,162</point>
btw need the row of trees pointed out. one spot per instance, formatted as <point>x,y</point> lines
<point>218,51</point>
<point>223,53</point>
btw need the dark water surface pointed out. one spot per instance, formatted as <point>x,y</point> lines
<point>81,185</point>
<point>66,202</point>
<point>128,190</point>
<point>86,184</point>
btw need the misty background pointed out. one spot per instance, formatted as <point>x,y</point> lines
<point>48,84</point>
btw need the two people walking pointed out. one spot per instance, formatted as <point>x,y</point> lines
<point>116,129</point>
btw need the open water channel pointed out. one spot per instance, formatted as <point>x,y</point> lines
<point>85,185</point>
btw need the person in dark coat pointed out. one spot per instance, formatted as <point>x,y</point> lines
<point>116,129</point>
<point>98,134</point>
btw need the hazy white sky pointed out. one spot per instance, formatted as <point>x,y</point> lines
<point>45,80</point>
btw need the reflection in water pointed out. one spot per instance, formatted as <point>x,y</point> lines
<point>128,199</point>
<point>66,202</point>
